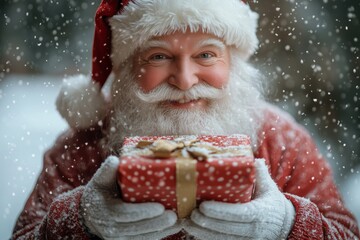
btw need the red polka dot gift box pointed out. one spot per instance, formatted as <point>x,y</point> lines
<point>182,171</point>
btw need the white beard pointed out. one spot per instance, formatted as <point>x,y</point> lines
<point>231,110</point>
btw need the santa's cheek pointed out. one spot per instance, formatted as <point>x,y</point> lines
<point>217,79</point>
<point>149,80</point>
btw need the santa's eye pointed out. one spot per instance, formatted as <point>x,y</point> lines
<point>206,55</point>
<point>157,57</point>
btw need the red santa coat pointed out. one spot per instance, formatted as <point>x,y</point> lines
<point>295,164</point>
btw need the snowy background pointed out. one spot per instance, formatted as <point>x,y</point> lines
<point>309,55</point>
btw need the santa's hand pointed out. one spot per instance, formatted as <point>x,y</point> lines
<point>268,216</point>
<point>105,215</point>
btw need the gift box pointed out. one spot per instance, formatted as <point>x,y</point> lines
<point>182,171</point>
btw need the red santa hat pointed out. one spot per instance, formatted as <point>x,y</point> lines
<point>130,23</point>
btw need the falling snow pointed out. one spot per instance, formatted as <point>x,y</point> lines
<point>309,56</point>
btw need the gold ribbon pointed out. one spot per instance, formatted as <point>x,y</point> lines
<point>185,186</point>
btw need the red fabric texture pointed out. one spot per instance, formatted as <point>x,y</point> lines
<point>63,217</point>
<point>101,61</point>
<point>293,159</point>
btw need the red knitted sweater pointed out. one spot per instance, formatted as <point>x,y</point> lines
<point>295,164</point>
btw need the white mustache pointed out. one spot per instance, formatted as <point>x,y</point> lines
<point>166,92</point>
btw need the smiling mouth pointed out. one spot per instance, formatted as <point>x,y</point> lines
<point>186,103</point>
<point>181,101</point>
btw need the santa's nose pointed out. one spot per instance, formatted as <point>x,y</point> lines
<point>183,74</point>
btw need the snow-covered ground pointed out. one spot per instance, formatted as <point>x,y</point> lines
<point>29,124</point>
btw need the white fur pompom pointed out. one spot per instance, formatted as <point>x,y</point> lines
<point>81,102</point>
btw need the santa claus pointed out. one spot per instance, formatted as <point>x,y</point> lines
<point>176,68</point>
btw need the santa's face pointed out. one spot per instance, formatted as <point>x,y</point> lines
<point>181,61</point>
<point>184,83</point>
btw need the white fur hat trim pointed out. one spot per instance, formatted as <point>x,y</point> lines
<point>231,20</point>
<point>81,102</point>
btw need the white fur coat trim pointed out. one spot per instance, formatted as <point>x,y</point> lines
<point>81,102</point>
<point>231,20</point>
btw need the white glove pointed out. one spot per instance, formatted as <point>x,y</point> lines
<point>268,216</point>
<point>105,215</point>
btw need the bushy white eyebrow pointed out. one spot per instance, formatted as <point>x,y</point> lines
<point>153,43</point>
<point>212,42</point>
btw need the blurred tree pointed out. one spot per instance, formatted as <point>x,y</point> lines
<point>47,36</point>
<point>309,53</point>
